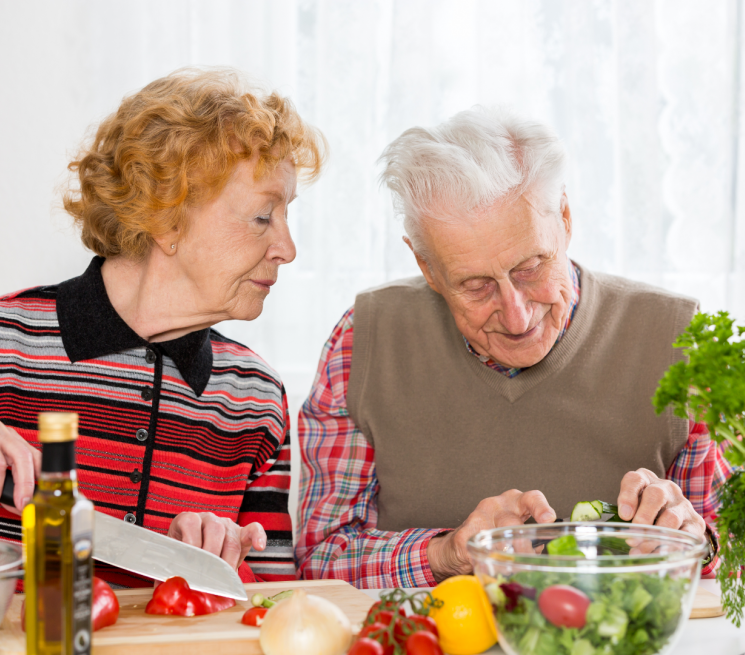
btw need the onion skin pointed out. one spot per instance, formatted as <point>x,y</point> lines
<point>305,624</point>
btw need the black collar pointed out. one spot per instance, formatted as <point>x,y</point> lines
<point>90,327</point>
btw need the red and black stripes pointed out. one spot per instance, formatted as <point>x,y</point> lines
<point>149,443</point>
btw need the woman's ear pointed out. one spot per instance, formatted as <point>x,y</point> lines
<point>168,242</point>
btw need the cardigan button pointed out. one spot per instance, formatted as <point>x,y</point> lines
<point>141,435</point>
<point>147,393</point>
<point>129,517</point>
<point>135,476</point>
<point>150,356</point>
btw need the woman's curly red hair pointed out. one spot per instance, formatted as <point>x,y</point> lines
<point>173,145</point>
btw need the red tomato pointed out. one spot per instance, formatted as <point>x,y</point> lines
<point>382,639</point>
<point>105,608</point>
<point>423,643</point>
<point>387,607</point>
<point>254,616</point>
<point>105,605</point>
<point>564,606</point>
<point>366,646</point>
<point>426,623</point>
<point>174,596</point>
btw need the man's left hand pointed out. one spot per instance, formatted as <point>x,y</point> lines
<point>649,500</point>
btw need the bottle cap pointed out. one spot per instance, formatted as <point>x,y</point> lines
<point>58,427</point>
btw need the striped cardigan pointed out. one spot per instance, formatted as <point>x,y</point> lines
<point>197,424</point>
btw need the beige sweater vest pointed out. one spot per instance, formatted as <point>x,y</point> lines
<point>448,431</point>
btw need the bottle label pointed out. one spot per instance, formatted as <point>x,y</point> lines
<point>82,585</point>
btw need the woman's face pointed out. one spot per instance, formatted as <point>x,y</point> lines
<point>236,243</point>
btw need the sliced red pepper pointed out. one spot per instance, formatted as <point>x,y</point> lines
<point>254,616</point>
<point>174,596</point>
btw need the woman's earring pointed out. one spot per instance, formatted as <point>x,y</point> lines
<point>173,246</point>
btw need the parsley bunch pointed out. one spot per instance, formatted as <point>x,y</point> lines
<point>710,387</point>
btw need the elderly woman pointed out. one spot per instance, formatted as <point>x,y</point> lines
<point>183,196</point>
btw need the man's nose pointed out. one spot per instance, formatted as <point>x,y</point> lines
<point>514,312</point>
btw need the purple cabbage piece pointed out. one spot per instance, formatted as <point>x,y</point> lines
<point>513,591</point>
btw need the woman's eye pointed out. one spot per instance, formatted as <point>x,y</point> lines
<point>263,220</point>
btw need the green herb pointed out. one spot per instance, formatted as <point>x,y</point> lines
<point>710,387</point>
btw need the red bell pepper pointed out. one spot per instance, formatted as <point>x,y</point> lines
<point>174,596</point>
<point>105,608</point>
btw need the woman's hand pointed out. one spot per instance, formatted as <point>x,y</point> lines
<point>218,535</point>
<point>649,500</point>
<point>25,460</point>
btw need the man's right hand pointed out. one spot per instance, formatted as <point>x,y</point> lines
<point>25,461</point>
<point>448,555</point>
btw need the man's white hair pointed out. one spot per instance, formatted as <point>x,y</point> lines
<point>471,161</point>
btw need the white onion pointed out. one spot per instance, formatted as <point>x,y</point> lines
<point>307,625</point>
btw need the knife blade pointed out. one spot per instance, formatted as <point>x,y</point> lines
<point>154,555</point>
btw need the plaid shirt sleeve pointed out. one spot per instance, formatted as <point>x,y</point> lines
<point>338,490</point>
<point>699,470</point>
<point>265,501</point>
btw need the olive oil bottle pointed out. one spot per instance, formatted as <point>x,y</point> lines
<point>58,542</point>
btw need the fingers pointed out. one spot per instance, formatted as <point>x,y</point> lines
<point>536,504</point>
<point>252,536</point>
<point>654,499</point>
<point>25,461</point>
<point>187,527</point>
<point>632,486</point>
<point>218,535</point>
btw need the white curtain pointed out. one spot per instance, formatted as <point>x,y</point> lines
<point>647,96</point>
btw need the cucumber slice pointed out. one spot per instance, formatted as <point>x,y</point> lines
<point>585,511</point>
<point>598,505</point>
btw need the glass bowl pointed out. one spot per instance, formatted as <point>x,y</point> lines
<point>11,568</point>
<point>624,589</point>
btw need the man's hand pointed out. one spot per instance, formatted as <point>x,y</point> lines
<point>447,554</point>
<point>218,535</point>
<point>647,499</point>
<point>25,461</point>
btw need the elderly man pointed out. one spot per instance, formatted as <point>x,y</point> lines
<point>441,400</point>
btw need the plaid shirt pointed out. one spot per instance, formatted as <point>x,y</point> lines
<point>337,515</point>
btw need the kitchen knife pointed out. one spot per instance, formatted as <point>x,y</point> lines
<point>154,555</point>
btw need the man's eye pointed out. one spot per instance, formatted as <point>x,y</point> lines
<point>528,272</point>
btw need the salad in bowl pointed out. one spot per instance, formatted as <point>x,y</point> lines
<point>588,588</point>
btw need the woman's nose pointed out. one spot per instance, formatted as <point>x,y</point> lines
<point>282,250</point>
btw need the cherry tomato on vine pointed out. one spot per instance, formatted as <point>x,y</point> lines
<point>366,646</point>
<point>564,606</point>
<point>254,616</point>
<point>423,643</point>
<point>382,639</point>
<point>386,608</point>
<point>426,623</point>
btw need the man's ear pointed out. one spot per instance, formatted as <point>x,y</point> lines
<point>566,218</point>
<point>424,267</point>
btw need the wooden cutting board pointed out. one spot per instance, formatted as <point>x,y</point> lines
<point>222,633</point>
<point>219,634</point>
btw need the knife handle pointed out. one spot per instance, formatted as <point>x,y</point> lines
<point>9,486</point>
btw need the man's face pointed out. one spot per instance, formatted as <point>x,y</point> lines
<point>505,276</point>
